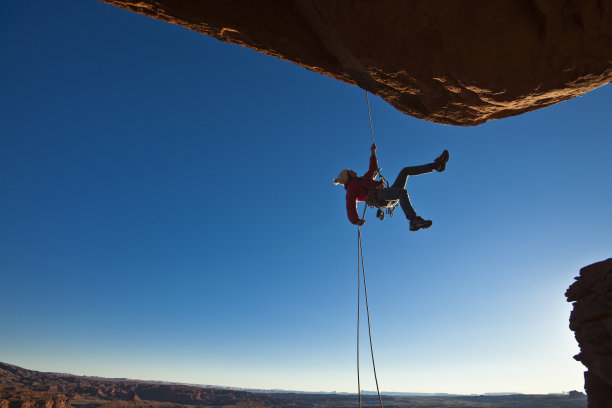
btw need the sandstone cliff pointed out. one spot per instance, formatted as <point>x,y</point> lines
<point>450,62</point>
<point>591,320</point>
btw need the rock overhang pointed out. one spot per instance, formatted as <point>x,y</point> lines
<point>454,63</point>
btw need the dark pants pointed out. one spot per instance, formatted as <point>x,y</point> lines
<point>397,190</point>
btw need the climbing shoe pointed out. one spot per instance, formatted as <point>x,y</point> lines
<point>418,223</point>
<point>440,162</point>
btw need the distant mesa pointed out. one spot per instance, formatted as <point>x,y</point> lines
<point>591,321</point>
<point>453,62</point>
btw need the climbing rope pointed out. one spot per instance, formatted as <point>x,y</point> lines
<point>358,305</point>
<point>388,210</point>
<point>369,116</point>
<point>360,274</point>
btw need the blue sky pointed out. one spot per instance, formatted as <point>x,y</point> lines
<point>168,213</point>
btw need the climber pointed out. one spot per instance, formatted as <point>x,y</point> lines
<point>375,193</point>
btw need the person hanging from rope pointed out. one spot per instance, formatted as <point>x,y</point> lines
<point>376,194</point>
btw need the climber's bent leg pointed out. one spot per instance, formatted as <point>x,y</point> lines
<point>392,193</point>
<point>402,177</point>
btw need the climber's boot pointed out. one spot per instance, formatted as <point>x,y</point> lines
<point>440,161</point>
<point>417,223</point>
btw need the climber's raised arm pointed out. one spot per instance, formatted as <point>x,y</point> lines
<point>373,170</point>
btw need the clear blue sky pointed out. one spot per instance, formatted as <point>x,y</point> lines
<point>167,212</point>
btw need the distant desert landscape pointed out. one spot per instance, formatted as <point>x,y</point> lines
<point>22,388</point>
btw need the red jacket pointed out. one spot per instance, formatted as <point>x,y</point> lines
<point>357,189</point>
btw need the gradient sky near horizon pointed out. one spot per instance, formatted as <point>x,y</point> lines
<point>168,213</point>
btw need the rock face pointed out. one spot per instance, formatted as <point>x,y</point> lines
<point>451,62</point>
<point>591,320</point>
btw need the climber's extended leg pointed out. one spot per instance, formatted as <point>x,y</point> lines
<point>393,193</point>
<point>439,164</point>
<point>402,177</point>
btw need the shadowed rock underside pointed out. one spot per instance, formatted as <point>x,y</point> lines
<point>451,62</point>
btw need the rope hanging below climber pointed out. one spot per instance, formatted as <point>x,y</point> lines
<point>360,274</point>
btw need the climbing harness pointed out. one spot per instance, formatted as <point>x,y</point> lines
<point>360,274</point>
<point>373,200</point>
